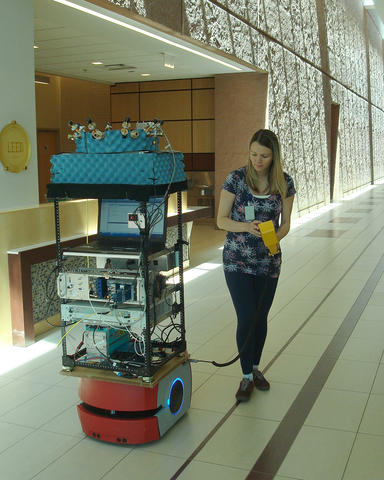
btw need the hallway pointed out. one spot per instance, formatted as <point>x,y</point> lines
<point>323,418</point>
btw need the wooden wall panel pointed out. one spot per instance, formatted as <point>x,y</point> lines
<point>125,105</point>
<point>175,105</point>
<point>184,84</point>
<point>129,87</point>
<point>174,102</point>
<point>203,82</point>
<point>80,100</point>
<point>203,103</point>
<point>203,136</point>
<point>179,134</point>
<point>48,104</point>
<point>204,162</point>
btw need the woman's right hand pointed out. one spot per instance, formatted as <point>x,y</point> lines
<point>253,228</point>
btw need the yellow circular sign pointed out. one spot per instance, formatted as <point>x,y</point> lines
<point>15,147</point>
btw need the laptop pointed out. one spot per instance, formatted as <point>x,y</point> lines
<point>118,226</point>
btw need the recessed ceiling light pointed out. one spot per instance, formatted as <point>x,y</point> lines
<point>97,63</point>
<point>42,79</point>
<point>145,74</point>
<point>168,60</point>
<point>146,32</point>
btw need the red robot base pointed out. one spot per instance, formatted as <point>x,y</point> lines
<point>127,411</point>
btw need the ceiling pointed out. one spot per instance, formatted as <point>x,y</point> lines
<point>378,12</point>
<point>69,40</point>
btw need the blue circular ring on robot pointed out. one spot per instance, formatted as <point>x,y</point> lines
<point>176,396</point>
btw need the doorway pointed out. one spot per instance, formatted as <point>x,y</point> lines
<point>47,145</point>
<point>333,173</point>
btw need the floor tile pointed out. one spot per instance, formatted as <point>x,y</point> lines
<point>369,330</point>
<point>100,458</point>
<point>269,405</point>
<point>48,373</point>
<point>314,294</point>
<point>326,233</point>
<point>5,381</point>
<point>145,465</point>
<point>25,368</point>
<point>377,299</point>
<point>359,210</point>
<point>336,307</point>
<point>276,339</point>
<point>318,454</point>
<point>42,408</point>
<point>69,382</point>
<point>39,449</point>
<point>198,379</point>
<point>362,350</point>
<point>338,409</point>
<point>227,337</point>
<point>66,423</point>
<point>35,393</point>
<point>345,220</point>
<point>373,419</point>
<point>378,386</point>
<point>307,344</point>
<point>217,394</point>
<point>234,370</point>
<point>366,461</point>
<point>210,352</point>
<point>353,376</point>
<point>322,325</point>
<point>205,470</point>
<point>327,278</point>
<point>292,368</point>
<point>10,434</point>
<point>185,436</point>
<point>250,435</point>
<point>18,392</point>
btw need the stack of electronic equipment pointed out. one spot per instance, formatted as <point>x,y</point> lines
<point>122,314</point>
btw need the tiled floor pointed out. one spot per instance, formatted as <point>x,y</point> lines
<point>332,267</point>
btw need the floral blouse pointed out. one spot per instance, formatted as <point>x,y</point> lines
<point>244,252</point>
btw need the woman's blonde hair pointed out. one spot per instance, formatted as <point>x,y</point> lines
<point>276,179</point>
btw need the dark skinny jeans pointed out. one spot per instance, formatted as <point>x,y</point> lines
<point>250,292</point>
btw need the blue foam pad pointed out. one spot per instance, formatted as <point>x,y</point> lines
<point>136,168</point>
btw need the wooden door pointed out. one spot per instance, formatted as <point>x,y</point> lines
<point>47,145</point>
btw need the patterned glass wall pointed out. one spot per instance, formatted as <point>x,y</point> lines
<point>378,136</point>
<point>138,6</point>
<point>353,138</point>
<point>346,44</point>
<point>376,64</point>
<point>296,109</point>
<point>296,89</point>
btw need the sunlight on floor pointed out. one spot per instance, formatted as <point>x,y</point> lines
<point>13,357</point>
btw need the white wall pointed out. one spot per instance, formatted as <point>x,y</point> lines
<point>17,98</point>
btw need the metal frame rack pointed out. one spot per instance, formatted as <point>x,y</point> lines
<point>147,367</point>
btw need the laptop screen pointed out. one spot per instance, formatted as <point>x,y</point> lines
<point>116,221</point>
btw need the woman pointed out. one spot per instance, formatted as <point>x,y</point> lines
<point>255,193</point>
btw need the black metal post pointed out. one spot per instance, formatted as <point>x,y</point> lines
<point>144,233</point>
<point>59,259</point>
<point>181,260</point>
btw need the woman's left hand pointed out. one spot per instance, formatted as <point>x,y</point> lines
<point>253,228</point>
